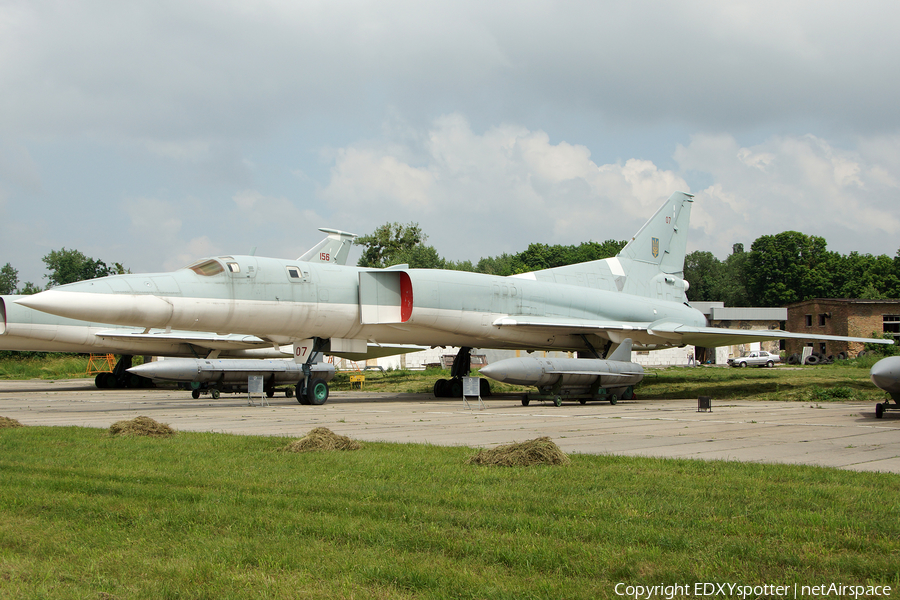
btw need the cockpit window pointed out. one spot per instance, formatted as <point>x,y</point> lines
<point>207,268</point>
<point>234,267</point>
<point>293,272</point>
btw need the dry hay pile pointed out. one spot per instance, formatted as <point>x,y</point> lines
<point>322,438</point>
<point>541,451</point>
<point>6,423</point>
<point>141,426</point>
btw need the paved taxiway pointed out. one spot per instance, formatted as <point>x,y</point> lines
<point>845,435</point>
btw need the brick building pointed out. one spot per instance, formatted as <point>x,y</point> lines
<point>841,316</point>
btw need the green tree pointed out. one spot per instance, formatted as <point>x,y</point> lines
<point>704,272</point>
<point>9,279</point>
<point>503,265</point>
<point>28,289</point>
<point>733,282</point>
<point>787,267</point>
<point>67,266</point>
<point>390,244</point>
<point>862,276</point>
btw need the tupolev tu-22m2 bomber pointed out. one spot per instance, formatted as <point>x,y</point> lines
<point>589,308</point>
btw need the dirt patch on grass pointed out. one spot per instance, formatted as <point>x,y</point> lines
<point>141,426</point>
<point>322,438</point>
<point>6,423</point>
<point>540,451</point>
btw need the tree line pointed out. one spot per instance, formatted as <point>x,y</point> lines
<point>790,267</point>
<point>63,266</point>
<point>396,244</point>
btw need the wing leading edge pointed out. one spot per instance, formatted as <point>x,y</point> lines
<point>666,333</point>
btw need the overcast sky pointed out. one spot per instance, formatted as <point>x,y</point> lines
<point>155,133</point>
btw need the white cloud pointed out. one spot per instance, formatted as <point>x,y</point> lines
<point>792,183</point>
<point>478,195</point>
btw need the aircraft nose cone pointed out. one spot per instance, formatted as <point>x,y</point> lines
<point>495,371</point>
<point>886,374</point>
<point>172,369</point>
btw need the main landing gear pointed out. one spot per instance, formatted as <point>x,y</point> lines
<point>881,407</point>
<point>453,387</point>
<point>120,378</point>
<point>312,390</point>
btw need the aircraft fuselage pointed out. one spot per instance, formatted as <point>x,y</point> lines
<point>283,300</point>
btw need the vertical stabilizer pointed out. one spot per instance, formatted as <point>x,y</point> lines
<point>623,352</point>
<point>662,241</point>
<point>651,264</point>
<point>334,249</point>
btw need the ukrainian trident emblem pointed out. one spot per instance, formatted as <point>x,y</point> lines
<point>654,243</point>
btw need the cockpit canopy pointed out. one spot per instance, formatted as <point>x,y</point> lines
<point>207,267</point>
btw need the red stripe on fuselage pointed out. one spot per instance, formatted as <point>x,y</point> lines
<point>406,298</point>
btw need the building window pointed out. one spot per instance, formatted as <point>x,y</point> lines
<point>822,319</point>
<point>809,320</point>
<point>892,325</point>
<point>822,348</point>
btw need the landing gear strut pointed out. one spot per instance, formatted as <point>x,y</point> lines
<point>453,387</point>
<point>120,377</point>
<point>316,391</point>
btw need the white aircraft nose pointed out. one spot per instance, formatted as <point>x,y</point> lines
<point>886,374</point>
<point>116,309</point>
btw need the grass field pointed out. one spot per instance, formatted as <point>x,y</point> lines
<point>87,515</point>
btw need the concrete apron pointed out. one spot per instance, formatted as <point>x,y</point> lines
<point>844,435</point>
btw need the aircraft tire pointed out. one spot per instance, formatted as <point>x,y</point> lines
<point>288,392</point>
<point>440,388</point>
<point>317,392</point>
<point>455,388</point>
<point>583,400</point>
<point>613,399</point>
<point>195,394</point>
<point>485,388</point>
<point>214,393</point>
<point>525,400</point>
<point>879,411</point>
<point>557,400</point>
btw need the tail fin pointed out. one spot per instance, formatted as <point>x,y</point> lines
<point>662,241</point>
<point>623,352</point>
<point>651,264</point>
<point>334,249</point>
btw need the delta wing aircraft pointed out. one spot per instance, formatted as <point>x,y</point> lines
<point>589,308</point>
<point>23,329</point>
